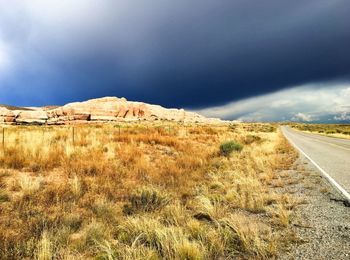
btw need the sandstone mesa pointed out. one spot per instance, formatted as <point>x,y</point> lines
<point>107,109</point>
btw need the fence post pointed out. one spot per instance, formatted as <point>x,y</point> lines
<point>73,134</point>
<point>3,138</point>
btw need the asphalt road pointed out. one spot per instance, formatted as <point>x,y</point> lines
<point>332,155</point>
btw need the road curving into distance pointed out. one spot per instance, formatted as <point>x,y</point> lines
<point>330,155</point>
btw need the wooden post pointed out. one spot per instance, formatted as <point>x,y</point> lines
<point>3,137</point>
<point>73,134</point>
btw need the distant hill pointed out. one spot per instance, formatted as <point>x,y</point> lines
<point>15,108</point>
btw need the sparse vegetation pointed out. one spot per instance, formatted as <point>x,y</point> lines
<point>146,199</point>
<point>228,147</point>
<point>143,191</point>
<point>335,130</point>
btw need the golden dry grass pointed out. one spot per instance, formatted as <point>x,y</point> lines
<point>143,191</point>
<point>333,130</point>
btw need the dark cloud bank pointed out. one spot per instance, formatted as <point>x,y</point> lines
<point>175,53</point>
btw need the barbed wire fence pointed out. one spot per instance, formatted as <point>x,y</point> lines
<point>73,132</point>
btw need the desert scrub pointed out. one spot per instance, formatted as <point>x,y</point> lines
<point>146,199</point>
<point>160,191</point>
<point>228,147</point>
<point>249,139</point>
<point>4,197</point>
<point>168,242</point>
<point>336,130</point>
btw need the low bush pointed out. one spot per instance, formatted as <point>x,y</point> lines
<point>4,197</point>
<point>249,139</point>
<point>146,199</point>
<point>228,147</point>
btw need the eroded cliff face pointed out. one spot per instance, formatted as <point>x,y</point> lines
<point>105,109</point>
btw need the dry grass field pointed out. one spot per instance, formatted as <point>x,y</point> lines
<point>335,130</point>
<point>144,191</point>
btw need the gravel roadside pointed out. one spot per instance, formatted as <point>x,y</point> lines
<point>323,222</point>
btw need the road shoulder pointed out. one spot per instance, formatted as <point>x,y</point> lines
<point>322,223</point>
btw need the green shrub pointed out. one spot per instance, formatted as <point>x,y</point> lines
<point>228,147</point>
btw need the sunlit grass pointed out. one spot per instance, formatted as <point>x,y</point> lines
<point>334,130</point>
<point>142,191</point>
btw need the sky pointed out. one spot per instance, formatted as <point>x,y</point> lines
<point>234,59</point>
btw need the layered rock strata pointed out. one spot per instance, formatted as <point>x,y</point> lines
<point>100,110</point>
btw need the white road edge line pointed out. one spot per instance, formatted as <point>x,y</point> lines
<point>328,177</point>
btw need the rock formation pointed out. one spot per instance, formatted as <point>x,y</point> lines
<point>32,117</point>
<point>6,116</point>
<point>101,110</point>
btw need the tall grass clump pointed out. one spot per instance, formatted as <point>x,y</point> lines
<point>30,185</point>
<point>45,247</point>
<point>95,232</point>
<point>146,199</point>
<point>75,186</point>
<point>168,242</point>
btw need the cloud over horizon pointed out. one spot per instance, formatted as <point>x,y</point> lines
<point>309,103</point>
<point>192,54</point>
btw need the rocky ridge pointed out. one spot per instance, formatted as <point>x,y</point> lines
<point>107,109</point>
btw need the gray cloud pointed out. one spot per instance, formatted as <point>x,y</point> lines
<point>310,103</point>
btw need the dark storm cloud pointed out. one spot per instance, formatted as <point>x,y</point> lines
<point>175,53</point>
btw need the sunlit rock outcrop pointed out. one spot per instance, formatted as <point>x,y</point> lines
<point>6,116</point>
<point>107,109</point>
